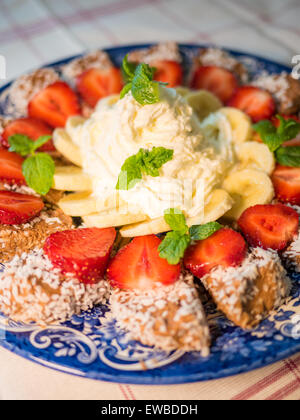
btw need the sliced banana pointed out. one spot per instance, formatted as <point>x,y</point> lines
<point>111,218</point>
<point>182,91</point>
<point>203,103</point>
<point>83,204</point>
<point>253,155</point>
<point>248,188</point>
<point>220,202</point>
<point>71,178</point>
<point>240,124</point>
<point>66,147</point>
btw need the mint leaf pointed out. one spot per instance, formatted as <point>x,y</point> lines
<point>145,161</point>
<point>173,247</point>
<point>176,220</point>
<point>39,172</point>
<point>176,242</point>
<point>125,90</point>
<point>288,156</point>
<point>38,169</point>
<point>155,159</point>
<point>140,82</point>
<point>144,90</point>
<point>274,137</point>
<point>200,232</point>
<point>128,69</point>
<point>264,127</point>
<point>21,144</point>
<point>40,142</point>
<point>288,129</point>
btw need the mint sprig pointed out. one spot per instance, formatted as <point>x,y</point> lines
<point>176,242</point>
<point>145,161</point>
<point>38,168</point>
<point>140,82</point>
<point>274,137</point>
<point>288,156</point>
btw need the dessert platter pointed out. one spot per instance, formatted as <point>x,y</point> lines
<point>149,214</point>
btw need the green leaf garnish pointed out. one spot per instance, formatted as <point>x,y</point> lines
<point>140,82</point>
<point>145,161</point>
<point>40,142</point>
<point>38,168</point>
<point>288,156</point>
<point>174,246</point>
<point>177,241</point>
<point>20,144</point>
<point>200,232</point>
<point>274,137</point>
<point>125,90</point>
<point>128,69</point>
<point>176,220</point>
<point>39,171</point>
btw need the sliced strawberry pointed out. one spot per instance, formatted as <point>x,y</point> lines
<point>255,102</point>
<point>95,84</point>
<point>30,127</point>
<point>225,248</point>
<point>286,182</point>
<point>139,266</point>
<point>16,209</point>
<point>82,252</point>
<point>271,226</point>
<point>217,80</point>
<point>168,72</point>
<point>54,104</point>
<point>11,168</point>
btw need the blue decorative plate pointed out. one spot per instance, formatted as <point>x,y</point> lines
<point>92,346</point>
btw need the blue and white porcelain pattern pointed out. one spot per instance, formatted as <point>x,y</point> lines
<point>91,345</point>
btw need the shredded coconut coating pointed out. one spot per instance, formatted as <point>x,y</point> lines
<point>220,58</point>
<point>284,88</point>
<point>164,51</point>
<point>167,317</point>
<point>291,256</point>
<point>32,290</point>
<point>247,294</point>
<point>17,239</point>
<point>3,123</point>
<point>53,196</point>
<point>25,88</point>
<point>21,189</point>
<point>94,60</point>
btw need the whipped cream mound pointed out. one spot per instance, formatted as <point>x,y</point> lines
<point>118,129</point>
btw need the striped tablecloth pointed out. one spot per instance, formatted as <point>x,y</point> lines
<point>34,32</point>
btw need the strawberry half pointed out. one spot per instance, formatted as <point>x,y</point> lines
<point>95,84</point>
<point>257,103</point>
<point>271,226</point>
<point>225,248</point>
<point>16,209</point>
<point>82,252</point>
<point>217,80</point>
<point>168,72</point>
<point>54,104</point>
<point>286,181</point>
<point>11,168</point>
<point>139,266</point>
<point>31,127</point>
